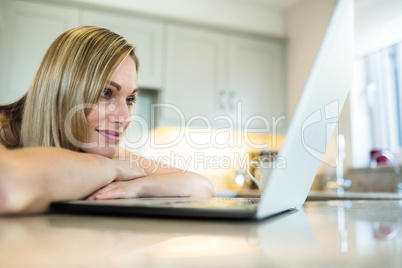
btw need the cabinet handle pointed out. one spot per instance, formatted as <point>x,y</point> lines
<point>222,99</point>
<point>232,95</point>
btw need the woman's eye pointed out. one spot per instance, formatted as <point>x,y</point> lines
<point>106,93</point>
<point>131,100</point>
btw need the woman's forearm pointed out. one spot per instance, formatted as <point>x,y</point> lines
<point>160,180</point>
<point>180,183</point>
<point>173,184</point>
<point>32,178</point>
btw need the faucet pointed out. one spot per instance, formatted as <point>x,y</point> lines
<point>340,184</point>
<point>395,165</point>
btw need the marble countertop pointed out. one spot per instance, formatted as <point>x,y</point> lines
<point>320,234</point>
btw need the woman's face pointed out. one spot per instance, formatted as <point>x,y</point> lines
<point>108,119</point>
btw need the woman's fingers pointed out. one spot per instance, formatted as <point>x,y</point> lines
<point>115,190</point>
<point>117,193</point>
<point>108,187</point>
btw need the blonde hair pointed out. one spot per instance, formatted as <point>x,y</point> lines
<point>74,71</point>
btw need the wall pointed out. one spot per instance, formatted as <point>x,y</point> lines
<point>234,14</point>
<point>305,25</point>
<point>378,25</point>
<point>214,153</point>
<point>1,17</point>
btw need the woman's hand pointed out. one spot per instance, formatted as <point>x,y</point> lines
<point>117,190</point>
<point>127,170</point>
<point>173,184</point>
<point>142,177</point>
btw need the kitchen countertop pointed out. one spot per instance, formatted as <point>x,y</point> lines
<point>320,234</point>
<point>321,195</point>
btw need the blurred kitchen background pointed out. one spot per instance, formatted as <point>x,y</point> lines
<point>220,79</point>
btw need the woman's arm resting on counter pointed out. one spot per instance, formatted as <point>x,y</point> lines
<point>174,184</point>
<point>161,181</point>
<point>32,178</point>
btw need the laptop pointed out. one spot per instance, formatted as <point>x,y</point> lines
<point>303,148</point>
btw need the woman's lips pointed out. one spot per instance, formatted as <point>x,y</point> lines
<point>110,135</point>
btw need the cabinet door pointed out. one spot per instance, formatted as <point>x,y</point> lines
<point>28,29</point>
<point>256,80</point>
<point>144,34</point>
<point>194,74</point>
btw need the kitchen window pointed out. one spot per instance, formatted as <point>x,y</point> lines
<point>376,104</point>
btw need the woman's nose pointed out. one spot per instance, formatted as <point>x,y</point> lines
<point>120,112</point>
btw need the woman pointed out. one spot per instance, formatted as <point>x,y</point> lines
<point>80,100</point>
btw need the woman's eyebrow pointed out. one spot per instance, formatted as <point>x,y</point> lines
<point>117,86</point>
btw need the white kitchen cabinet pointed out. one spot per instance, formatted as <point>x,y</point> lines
<point>145,35</point>
<point>195,74</point>
<point>256,81</point>
<point>203,72</point>
<point>27,30</point>
<point>212,73</point>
